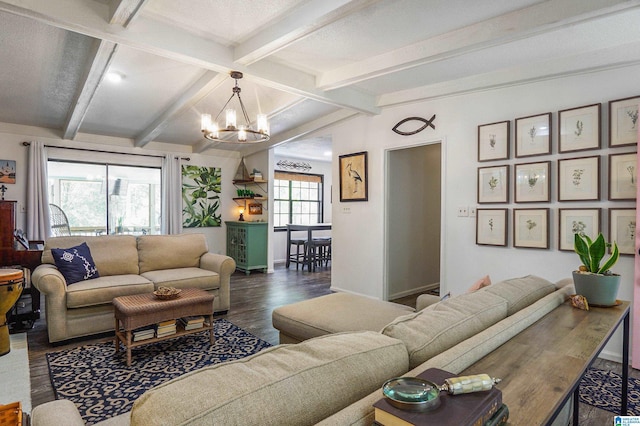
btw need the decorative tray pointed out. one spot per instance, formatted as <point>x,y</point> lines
<point>167,293</point>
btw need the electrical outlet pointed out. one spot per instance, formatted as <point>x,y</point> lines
<point>463,211</point>
<point>472,211</point>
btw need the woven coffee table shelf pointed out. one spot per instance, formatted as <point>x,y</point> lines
<point>140,310</point>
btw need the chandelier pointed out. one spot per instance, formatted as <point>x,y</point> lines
<point>234,132</point>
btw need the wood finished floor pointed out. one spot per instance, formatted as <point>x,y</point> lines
<point>253,298</point>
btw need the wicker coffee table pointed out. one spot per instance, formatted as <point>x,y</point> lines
<point>140,310</point>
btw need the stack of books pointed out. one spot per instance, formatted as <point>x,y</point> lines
<point>143,333</point>
<point>472,409</point>
<point>191,323</point>
<point>166,328</point>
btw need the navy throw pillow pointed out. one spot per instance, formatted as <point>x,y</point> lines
<point>75,263</point>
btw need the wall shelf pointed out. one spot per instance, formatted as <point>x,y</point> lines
<point>243,184</point>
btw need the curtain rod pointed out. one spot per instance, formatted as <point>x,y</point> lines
<point>105,152</point>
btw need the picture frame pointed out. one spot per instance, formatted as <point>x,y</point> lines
<point>7,171</point>
<point>579,179</point>
<point>491,227</point>
<point>623,121</point>
<point>353,177</point>
<point>531,228</point>
<point>532,182</point>
<point>622,229</point>
<point>494,141</point>
<point>254,208</point>
<point>577,221</point>
<point>623,176</point>
<point>493,184</point>
<point>533,135</point>
<point>579,128</point>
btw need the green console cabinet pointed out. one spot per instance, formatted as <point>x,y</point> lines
<point>247,245</point>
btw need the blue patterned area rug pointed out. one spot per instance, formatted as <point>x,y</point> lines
<point>102,386</point>
<point>602,389</point>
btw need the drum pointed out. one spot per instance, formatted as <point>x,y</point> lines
<point>11,285</point>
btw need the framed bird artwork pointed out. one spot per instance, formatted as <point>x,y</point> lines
<point>353,177</point>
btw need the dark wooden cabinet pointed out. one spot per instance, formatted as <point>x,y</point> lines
<point>12,254</point>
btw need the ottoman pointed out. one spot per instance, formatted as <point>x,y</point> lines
<point>334,313</point>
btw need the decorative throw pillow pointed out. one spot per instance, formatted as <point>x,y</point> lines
<point>75,263</point>
<point>482,282</point>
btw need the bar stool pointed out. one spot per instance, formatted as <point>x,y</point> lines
<point>298,257</point>
<point>319,251</point>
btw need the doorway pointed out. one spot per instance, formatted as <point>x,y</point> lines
<point>413,219</point>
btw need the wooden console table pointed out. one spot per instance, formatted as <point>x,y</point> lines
<point>542,366</point>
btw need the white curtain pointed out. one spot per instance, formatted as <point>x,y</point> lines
<point>172,195</point>
<point>37,197</point>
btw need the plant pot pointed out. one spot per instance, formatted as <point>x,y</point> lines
<point>600,290</point>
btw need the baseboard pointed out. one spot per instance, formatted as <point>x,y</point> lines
<point>611,356</point>
<point>423,289</point>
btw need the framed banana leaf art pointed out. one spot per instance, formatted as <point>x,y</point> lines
<point>201,187</point>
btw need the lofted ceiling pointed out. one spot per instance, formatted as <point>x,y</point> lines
<point>307,64</point>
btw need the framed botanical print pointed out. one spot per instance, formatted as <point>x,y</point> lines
<point>577,221</point>
<point>491,227</point>
<point>533,135</point>
<point>493,141</point>
<point>622,229</point>
<point>493,184</point>
<point>623,176</point>
<point>579,179</point>
<point>531,228</point>
<point>353,177</point>
<point>532,182</point>
<point>579,128</point>
<point>623,121</point>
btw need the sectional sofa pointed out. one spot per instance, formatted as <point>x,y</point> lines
<point>334,378</point>
<point>126,265</point>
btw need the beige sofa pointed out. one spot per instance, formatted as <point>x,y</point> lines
<point>127,265</point>
<point>334,379</point>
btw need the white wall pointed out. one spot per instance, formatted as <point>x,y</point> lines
<point>279,245</point>
<point>12,136</point>
<point>358,232</point>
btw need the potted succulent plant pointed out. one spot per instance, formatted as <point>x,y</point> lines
<point>594,280</point>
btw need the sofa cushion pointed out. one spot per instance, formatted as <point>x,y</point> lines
<point>438,327</point>
<point>297,384</point>
<point>521,292</point>
<point>184,278</point>
<point>75,263</point>
<point>102,290</point>
<point>113,254</point>
<point>335,313</point>
<point>170,251</point>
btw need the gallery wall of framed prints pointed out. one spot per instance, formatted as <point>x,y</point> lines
<point>572,171</point>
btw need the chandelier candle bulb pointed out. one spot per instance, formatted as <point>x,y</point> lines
<point>242,134</point>
<point>231,118</point>
<point>205,122</point>
<point>262,123</point>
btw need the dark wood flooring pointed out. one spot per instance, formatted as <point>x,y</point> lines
<point>253,298</point>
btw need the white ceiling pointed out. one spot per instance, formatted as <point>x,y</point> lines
<point>307,64</point>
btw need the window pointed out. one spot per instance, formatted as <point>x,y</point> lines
<point>106,198</point>
<point>297,198</point>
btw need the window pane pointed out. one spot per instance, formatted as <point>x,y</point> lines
<point>133,206</point>
<point>128,202</point>
<point>298,200</point>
